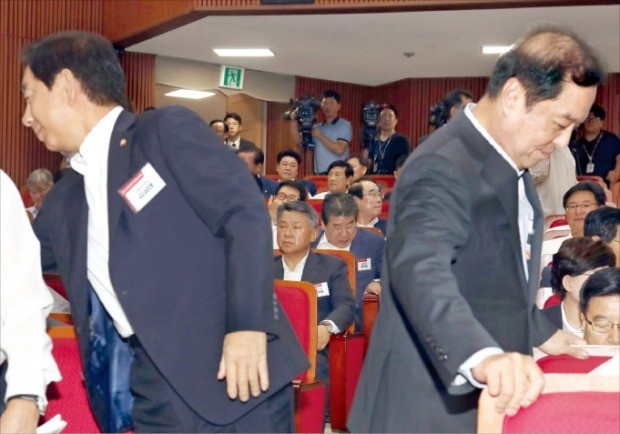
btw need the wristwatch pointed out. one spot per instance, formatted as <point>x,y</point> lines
<point>331,328</point>
<point>377,281</point>
<point>39,401</point>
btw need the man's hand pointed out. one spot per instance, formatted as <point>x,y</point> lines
<point>244,364</point>
<point>323,337</point>
<point>515,379</point>
<point>272,205</point>
<point>316,132</point>
<point>560,343</point>
<point>20,416</point>
<point>373,288</point>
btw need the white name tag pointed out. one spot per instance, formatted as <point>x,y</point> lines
<point>364,264</point>
<point>142,188</point>
<point>322,289</point>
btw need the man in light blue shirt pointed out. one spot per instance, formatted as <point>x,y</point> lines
<point>333,136</point>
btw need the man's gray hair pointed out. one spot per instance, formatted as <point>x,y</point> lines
<point>39,175</point>
<point>302,207</point>
<point>337,205</point>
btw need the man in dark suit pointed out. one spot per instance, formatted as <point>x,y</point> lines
<point>340,232</point>
<point>457,309</point>
<point>367,195</point>
<point>255,158</point>
<point>234,140</point>
<point>297,228</point>
<point>153,230</point>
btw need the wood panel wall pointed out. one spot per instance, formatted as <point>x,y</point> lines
<point>24,21</point>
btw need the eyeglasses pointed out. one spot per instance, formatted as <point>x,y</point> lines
<point>373,194</point>
<point>290,197</point>
<point>595,118</point>
<point>602,325</point>
<point>585,206</point>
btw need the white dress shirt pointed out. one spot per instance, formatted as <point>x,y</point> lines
<point>296,273</point>
<point>92,163</point>
<point>324,244</point>
<point>25,301</point>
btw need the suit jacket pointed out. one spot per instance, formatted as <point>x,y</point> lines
<point>268,186</point>
<point>554,313</point>
<point>179,266</point>
<point>383,225</point>
<point>243,145</point>
<point>453,283</point>
<point>366,246</point>
<point>319,268</point>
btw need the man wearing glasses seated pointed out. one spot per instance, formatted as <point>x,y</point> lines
<point>600,307</point>
<point>578,201</point>
<point>368,197</point>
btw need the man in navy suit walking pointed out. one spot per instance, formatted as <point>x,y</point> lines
<point>152,232</point>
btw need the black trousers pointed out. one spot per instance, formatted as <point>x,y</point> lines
<point>158,408</point>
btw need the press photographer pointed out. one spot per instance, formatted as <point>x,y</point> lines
<point>387,145</point>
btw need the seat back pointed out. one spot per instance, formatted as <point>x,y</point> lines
<point>299,301</point>
<point>556,232</point>
<point>386,181</point>
<point>320,181</point>
<point>552,301</point>
<point>374,229</point>
<point>68,396</point>
<point>570,403</point>
<point>53,281</point>
<point>350,261</point>
<point>370,310</point>
<point>565,364</point>
<point>317,204</point>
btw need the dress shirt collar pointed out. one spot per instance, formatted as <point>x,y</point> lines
<point>370,224</point>
<point>93,150</point>
<point>468,112</point>
<point>297,272</point>
<point>324,244</point>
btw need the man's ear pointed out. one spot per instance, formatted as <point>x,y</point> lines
<point>69,85</point>
<point>315,233</point>
<point>567,283</point>
<point>512,95</point>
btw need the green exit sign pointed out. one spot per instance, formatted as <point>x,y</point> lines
<point>232,77</point>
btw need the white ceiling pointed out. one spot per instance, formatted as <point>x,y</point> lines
<point>368,48</point>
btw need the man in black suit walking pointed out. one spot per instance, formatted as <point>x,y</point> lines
<point>463,250</point>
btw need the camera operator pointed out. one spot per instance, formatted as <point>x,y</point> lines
<point>387,146</point>
<point>332,137</point>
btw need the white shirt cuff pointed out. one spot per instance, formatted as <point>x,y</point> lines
<point>465,374</point>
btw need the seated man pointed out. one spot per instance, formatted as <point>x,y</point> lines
<point>368,197</point>
<point>604,223</point>
<point>600,307</point>
<point>39,183</point>
<point>287,191</point>
<point>288,169</point>
<point>297,228</point>
<point>578,201</point>
<point>340,233</point>
<point>577,259</point>
<point>255,158</point>
<point>359,163</point>
<point>339,176</point>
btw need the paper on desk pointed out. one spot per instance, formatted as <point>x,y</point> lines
<point>53,426</point>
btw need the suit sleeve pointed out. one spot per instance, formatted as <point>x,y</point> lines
<point>432,221</point>
<point>343,310</point>
<point>221,190</point>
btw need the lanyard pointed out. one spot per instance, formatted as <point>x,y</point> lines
<point>590,156</point>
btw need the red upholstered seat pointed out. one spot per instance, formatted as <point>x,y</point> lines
<point>579,413</point>
<point>299,301</point>
<point>370,310</point>
<point>385,206</point>
<point>53,281</point>
<point>569,403</point>
<point>558,222</point>
<point>68,396</point>
<point>570,365</point>
<point>386,181</point>
<point>320,181</point>
<point>552,301</point>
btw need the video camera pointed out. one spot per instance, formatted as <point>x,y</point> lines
<point>303,110</point>
<point>370,118</point>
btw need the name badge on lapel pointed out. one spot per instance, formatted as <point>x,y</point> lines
<point>364,264</point>
<point>142,188</point>
<point>322,289</point>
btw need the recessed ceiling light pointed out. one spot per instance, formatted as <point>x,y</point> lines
<point>495,49</point>
<point>243,52</point>
<point>191,94</point>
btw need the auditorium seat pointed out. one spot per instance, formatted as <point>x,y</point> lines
<point>570,403</point>
<point>68,396</point>
<point>565,364</point>
<point>53,281</point>
<point>552,301</point>
<point>615,193</point>
<point>554,220</point>
<point>385,206</point>
<point>346,356</point>
<point>299,301</point>
<point>374,229</point>
<point>386,181</point>
<point>317,204</point>
<point>320,181</point>
<point>370,310</point>
<point>556,232</point>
